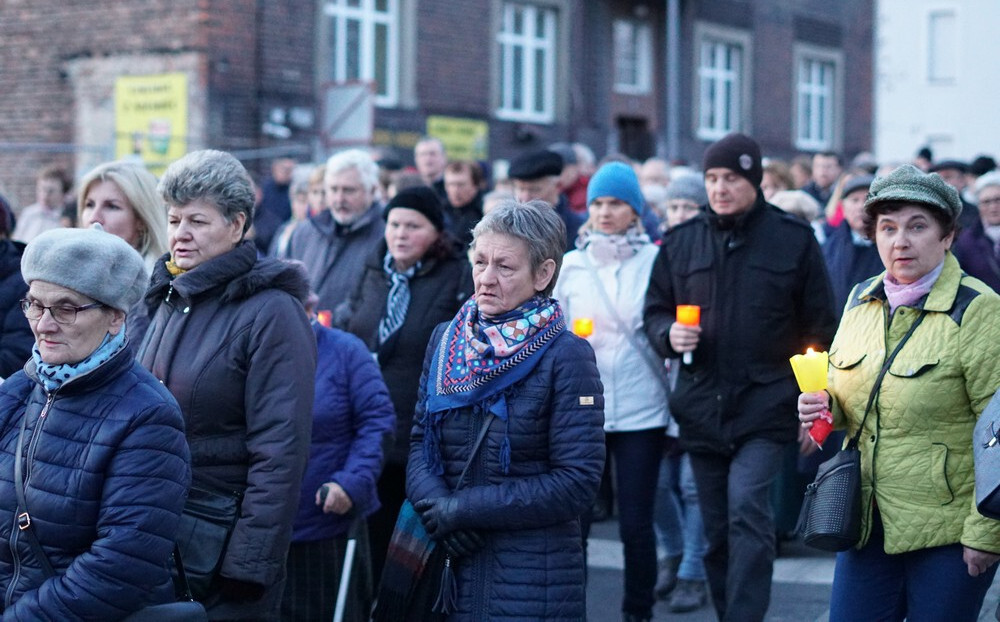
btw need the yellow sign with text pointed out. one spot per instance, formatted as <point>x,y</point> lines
<point>151,118</point>
<point>463,139</point>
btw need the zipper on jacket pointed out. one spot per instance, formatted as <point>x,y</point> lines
<point>15,529</point>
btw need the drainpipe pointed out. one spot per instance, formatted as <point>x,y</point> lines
<point>673,79</point>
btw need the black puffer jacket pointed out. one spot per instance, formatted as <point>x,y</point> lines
<point>15,333</point>
<point>437,290</point>
<point>232,342</point>
<point>764,296</point>
<point>107,471</point>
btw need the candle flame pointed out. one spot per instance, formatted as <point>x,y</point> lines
<point>810,351</point>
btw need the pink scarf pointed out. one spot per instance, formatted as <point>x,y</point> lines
<point>900,294</point>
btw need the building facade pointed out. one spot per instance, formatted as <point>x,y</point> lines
<point>86,81</point>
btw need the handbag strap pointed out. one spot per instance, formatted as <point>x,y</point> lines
<point>659,371</point>
<point>24,522</point>
<point>853,443</point>
<point>475,447</point>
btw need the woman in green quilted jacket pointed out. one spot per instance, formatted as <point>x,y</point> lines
<point>925,552</point>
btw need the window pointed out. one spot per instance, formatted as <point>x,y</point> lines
<point>527,63</point>
<point>942,46</point>
<point>633,56</point>
<point>721,84</point>
<point>816,98</point>
<point>362,42</point>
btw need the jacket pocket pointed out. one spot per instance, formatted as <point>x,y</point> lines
<point>939,473</point>
<point>912,367</point>
<point>846,359</point>
<point>771,285</point>
<point>697,278</point>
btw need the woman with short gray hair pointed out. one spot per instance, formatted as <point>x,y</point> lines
<point>978,247</point>
<point>229,338</point>
<point>515,398</point>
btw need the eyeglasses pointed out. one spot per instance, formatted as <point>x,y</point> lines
<point>61,314</point>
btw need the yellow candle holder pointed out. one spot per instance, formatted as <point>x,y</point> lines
<point>583,327</point>
<point>811,370</point>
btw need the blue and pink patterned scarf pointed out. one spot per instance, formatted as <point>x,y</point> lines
<point>479,358</point>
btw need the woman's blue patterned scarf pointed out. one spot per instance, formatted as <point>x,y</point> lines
<point>54,376</point>
<point>479,358</point>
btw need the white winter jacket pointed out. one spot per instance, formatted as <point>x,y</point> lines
<point>634,399</point>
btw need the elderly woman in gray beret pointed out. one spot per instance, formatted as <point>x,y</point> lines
<point>978,247</point>
<point>925,552</point>
<point>93,461</point>
<point>229,338</point>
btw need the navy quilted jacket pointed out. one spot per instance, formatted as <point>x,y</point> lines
<point>532,567</point>
<point>108,469</point>
<point>352,418</point>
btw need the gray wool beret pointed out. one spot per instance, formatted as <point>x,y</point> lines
<point>690,187</point>
<point>908,184</point>
<point>95,263</point>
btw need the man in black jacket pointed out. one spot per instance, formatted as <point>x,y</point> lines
<point>758,276</point>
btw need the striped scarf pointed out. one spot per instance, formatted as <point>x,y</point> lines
<point>398,301</point>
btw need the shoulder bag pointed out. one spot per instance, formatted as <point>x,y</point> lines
<point>831,510</point>
<point>186,609</point>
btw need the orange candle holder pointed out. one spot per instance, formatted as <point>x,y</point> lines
<point>583,327</point>
<point>325,318</point>
<point>688,315</point>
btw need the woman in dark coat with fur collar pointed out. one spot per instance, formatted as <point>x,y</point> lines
<point>229,338</point>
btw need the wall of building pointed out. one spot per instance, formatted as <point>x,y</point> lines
<point>956,113</point>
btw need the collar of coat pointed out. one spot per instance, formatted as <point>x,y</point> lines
<point>940,299</point>
<point>233,276</point>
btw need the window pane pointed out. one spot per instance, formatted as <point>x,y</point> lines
<point>353,51</point>
<point>381,58</point>
<point>541,24</point>
<point>517,78</point>
<point>540,81</point>
<point>518,20</point>
<point>354,3</point>
<point>382,6</point>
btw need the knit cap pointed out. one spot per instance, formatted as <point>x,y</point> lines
<point>421,199</point>
<point>738,153</point>
<point>618,180</point>
<point>908,184</point>
<point>689,187</point>
<point>95,263</point>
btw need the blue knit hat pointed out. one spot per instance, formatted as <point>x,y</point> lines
<point>618,180</point>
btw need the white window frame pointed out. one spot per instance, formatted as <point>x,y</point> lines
<point>530,44</point>
<point>712,43</point>
<point>942,68</point>
<point>337,14</point>
<point>635,59</point>
<point>817,84</point>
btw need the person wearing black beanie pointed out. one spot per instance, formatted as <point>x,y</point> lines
<point>757,275</point>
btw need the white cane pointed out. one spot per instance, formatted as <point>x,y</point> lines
<point>345,580</point>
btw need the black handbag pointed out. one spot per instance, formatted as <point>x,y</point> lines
<point>831,509</point>
<point>185,609</point>
<point>204,529</point>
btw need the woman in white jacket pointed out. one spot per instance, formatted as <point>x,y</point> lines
<point>605,281</point>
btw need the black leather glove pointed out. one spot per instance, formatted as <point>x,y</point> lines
<point>437,515</point>
<point>463,543</point>
<point>240,591</point>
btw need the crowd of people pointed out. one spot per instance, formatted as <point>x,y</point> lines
<point>373,362</point>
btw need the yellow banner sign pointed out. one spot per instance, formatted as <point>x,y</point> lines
<point>463,139</point>
<point>151,117</point>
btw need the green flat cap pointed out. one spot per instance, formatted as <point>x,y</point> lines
<point>908,184</point>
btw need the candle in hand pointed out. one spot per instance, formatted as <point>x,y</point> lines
<point>688,315</point>
<point>325,318</point>
<point>810,372</point>
<point>583,327</point>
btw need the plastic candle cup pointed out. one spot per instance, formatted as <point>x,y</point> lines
<point>688,315</point>
<point>325,318</point>
<point>583,327</point>
<point>810,372</point>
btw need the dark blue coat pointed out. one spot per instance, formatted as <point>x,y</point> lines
<point>106,483</point>
<point>848,263</point>
<point>532,567</point>
<point>975,253</point>
<point>15,333</point>
<point>352,416</point>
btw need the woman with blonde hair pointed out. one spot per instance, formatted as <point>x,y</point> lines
<point>121,197</point>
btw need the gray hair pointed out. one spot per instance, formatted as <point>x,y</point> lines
<point>360,161</point>
<point>536,224</point>
<point>213,176</point>
<point>986,180</point>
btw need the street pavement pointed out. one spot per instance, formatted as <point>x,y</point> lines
<point>800,590</point>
